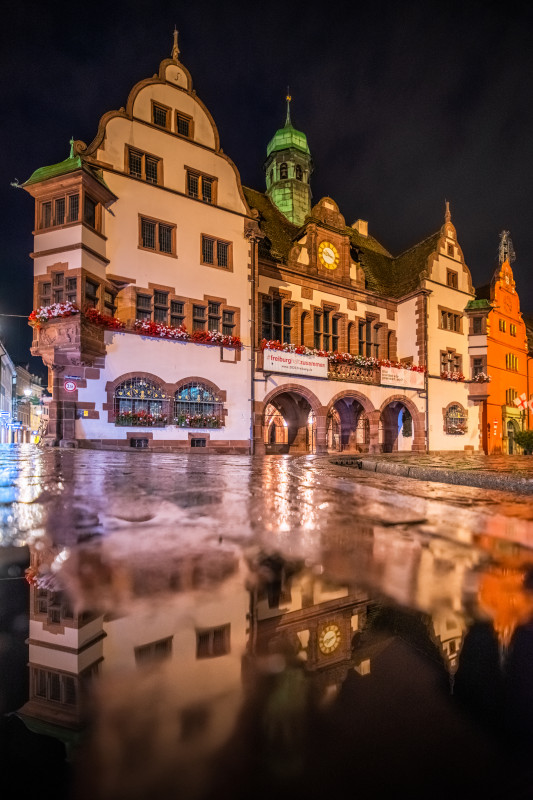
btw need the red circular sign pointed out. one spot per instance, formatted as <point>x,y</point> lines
<point>70,386</point>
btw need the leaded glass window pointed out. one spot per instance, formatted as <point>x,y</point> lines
<point>138,401</point>
<point>198,406</point>
<point>456,420</point>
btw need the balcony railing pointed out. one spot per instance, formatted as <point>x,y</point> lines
<point>354,374</point>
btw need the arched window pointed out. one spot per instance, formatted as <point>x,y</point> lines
<point>456,420</point>
<point>298,172</point>
<point>139,401</point>
<point>198,406</point>
<point>283,171</point>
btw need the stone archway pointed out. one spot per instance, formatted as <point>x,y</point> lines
<point>292,421</point>
<point>349,420</point>
<point>401,426</point>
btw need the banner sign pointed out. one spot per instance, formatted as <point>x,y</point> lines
<point>295,364</point>
<point>404,378</point>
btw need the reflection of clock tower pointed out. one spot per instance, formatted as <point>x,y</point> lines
<point>288,168</point>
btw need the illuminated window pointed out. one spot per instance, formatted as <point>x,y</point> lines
<point>511,362</point>
<point>197,405</point>
<point>138,396</point>
<point>456,420</point>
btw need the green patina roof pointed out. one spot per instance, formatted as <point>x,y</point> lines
<point>288,137</point>
<point>70,164</point>
<point>479,304</point>
<point>54,170</point>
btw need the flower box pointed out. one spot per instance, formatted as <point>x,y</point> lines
<point>337,358</point>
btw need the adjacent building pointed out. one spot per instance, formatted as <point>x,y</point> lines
<point>227,319</point>
<point>498,348</point>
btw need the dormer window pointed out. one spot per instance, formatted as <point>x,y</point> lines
<point>283,171</point>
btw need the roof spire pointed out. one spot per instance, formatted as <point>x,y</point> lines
<point>447,213</point>
<point>175,48</point>
<point>506,249</point>
<point>288,99</point>
<point>71,147</point>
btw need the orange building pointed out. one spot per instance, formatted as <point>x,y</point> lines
<point>498,349</point>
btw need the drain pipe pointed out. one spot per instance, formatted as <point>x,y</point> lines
<point>252,234</point>
<point>427,367</point>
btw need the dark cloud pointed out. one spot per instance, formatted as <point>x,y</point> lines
<point>404,105</point>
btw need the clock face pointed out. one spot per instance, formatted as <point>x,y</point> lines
<point>329,638</point>
<point>328,255</point>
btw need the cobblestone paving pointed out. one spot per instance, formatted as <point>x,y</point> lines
<point>508,473</point>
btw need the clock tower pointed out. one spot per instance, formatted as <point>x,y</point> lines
<point>288,167</point>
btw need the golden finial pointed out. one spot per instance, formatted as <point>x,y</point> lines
<point>175,48</point>
<point>288,99</point>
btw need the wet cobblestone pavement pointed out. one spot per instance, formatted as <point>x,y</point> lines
<point>237,628</point>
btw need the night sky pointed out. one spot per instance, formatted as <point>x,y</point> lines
<point>404,105</point>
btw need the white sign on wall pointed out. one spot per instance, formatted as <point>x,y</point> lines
<point>295,364</point>
<point>404,378</point>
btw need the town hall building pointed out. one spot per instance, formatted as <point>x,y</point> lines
<point>177,309</point>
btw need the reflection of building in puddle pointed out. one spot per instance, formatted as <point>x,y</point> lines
<point>501,590</point>
<point>168,673</point>
<point>448,629</point>
<point>298,613</point>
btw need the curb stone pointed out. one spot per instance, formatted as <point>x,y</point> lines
<point>478,479</point>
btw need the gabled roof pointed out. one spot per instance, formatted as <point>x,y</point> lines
<point>385,275</point>
<point>279,232</point>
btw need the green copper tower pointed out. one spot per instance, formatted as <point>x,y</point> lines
<point>288,167</point>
